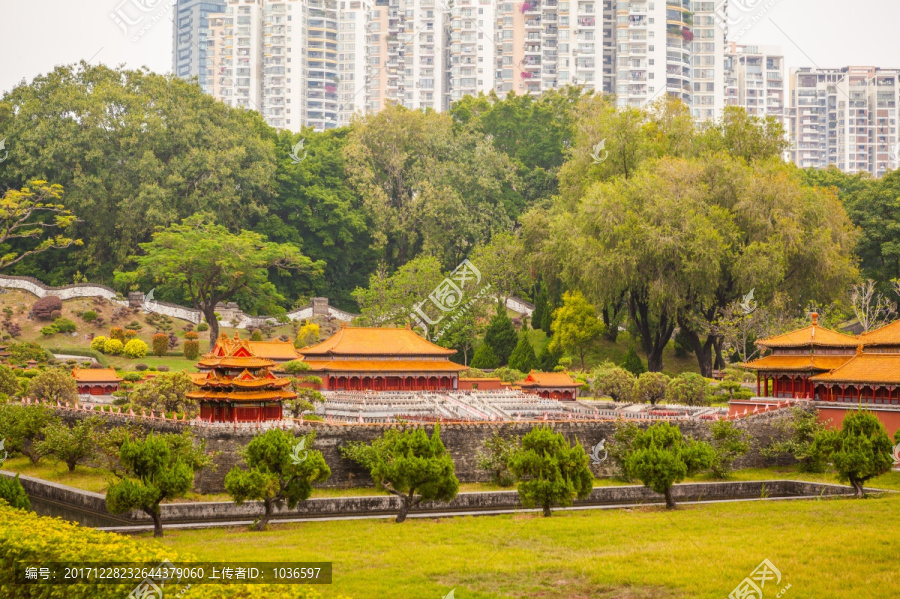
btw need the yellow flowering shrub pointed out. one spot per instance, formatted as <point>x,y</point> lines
<point>27,537</point>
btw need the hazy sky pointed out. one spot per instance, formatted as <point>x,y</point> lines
<point>36,35</point>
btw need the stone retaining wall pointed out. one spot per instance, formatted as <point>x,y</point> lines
<point>463,441</point>
<point>500,500</point>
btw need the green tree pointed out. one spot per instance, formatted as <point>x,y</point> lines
<point>54,385</point>
<point>612,381</point>
<point>13,493</point>
<point>494,458</point>
<point>71,444</point>
<point>547,320</point>
<point>276,474</point>
<point>166,392</point>
<point>661,457</point>
<point>729,443</point>
<point>156,468</point>
<point>9,382</point>
<point>508,375</point>
<point>307,335</point>
<point>523,358</point>
<point>575,327</point>
<point>633,363</point>
<point>501,336</point>
<point>549,359</point>
<point>408,464</point>
<point>688,388</point>
<point>860,451</point>
<point>540,306</point>
<point>211,265</point>
<point>160,344</point>
<point>799,440</point>
<point>26,216</point>
<point>621,447</point>
<point>23,427</point>
<point>550,471</point>
<point>502,264</point>
<point>153,149</point>
<point>484,357</point>
<point>390,298</point>
<point>651,387</point>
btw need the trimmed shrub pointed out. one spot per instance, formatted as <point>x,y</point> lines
<point>49,330</point>
<point>135,349</point>
<point>140,367</point>
<point>64,325</point>
<point>614,382</point>
<point>191,349</point>
<point>113,347</point>
<point>163,368</point>
<point>98,343</point>
<point>133,377</point>
<point>160,344</point>
<point>130,334</point>
<point>89,316</point>
<point>117,333</point>
<point>12,491</point>
<point>688,388</point>
<point>191,336</point>
<point>202,327</point>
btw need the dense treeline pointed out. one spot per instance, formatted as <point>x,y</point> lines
<point>663,226</point>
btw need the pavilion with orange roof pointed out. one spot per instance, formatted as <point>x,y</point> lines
<point>238,385</point>
<point>382,359</point>
<point>796,357</point>
<point>550,385</point>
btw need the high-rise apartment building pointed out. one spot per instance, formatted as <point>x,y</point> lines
<point>190,35</point>
<point>845,117</point>
<point>754,80</point>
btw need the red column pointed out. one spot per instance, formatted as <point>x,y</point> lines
<point>793,393</point>
<point>757,383</point>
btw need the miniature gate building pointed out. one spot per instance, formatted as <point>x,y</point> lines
<point>238,385</point>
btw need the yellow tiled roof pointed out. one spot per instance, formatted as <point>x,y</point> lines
<point>865,368</point>
<point>376,342</point>
<point>548,379</point>
<point>889,334</point>
<point>812,335</point>
<point>96,375</point>
<point>386,365</point>
<point>808,362</point>
<point>274,350</point>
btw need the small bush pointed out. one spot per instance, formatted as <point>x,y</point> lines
<point>113,347</point>
<point>12,491</point>
<point>64,325</point>
<point>140,366</point>
<point>191,349</point>
<point>135,349</point>
<point>163,368</point>
<point>130,334</point>
<point>160,344</point>
<point>132,377</point>
<point>117,333</point>
<point>89,316</point>
<point>202,327</point>
<point>98,343</point>
<point>49,330</point>
<point>56,314</point>
<point>191,335</point>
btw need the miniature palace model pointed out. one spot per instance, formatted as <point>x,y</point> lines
<point>382,360</point>
<point>238,386</point>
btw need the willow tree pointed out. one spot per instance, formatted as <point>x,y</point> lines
<point>211,265</point>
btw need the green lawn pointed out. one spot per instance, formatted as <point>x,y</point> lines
<point>827,548</point>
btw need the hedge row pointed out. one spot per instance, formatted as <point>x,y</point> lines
<point>83,352</point>
<point>27,537</point>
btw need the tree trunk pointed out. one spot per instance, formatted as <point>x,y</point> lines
<point>71,464</point>
<point>612,325</point>
<point>547,510</point>
<point>264,520</point>
<point>157,523</point>
<point>670,503</point>
<point>720,359</point>
<point>858,487</point>
<point>404,510</point>
<point>654,335</point>
<point>209,312</point>
<point>702,349</point>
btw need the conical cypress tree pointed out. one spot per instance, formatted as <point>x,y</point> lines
<point>540,306</point>
<point>484,357</point>
<point>501,335</point>
<point>548,360</point>
<point>523,357</point>
<point>633,363</point>
<point>547,319</point>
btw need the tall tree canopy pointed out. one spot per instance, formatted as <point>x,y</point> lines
<point>134,150</point>
<point>28,219</point>
<point>211,265</point>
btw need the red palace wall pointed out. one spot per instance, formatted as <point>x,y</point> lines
<point>224,413</point>
<point>889,418</point>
